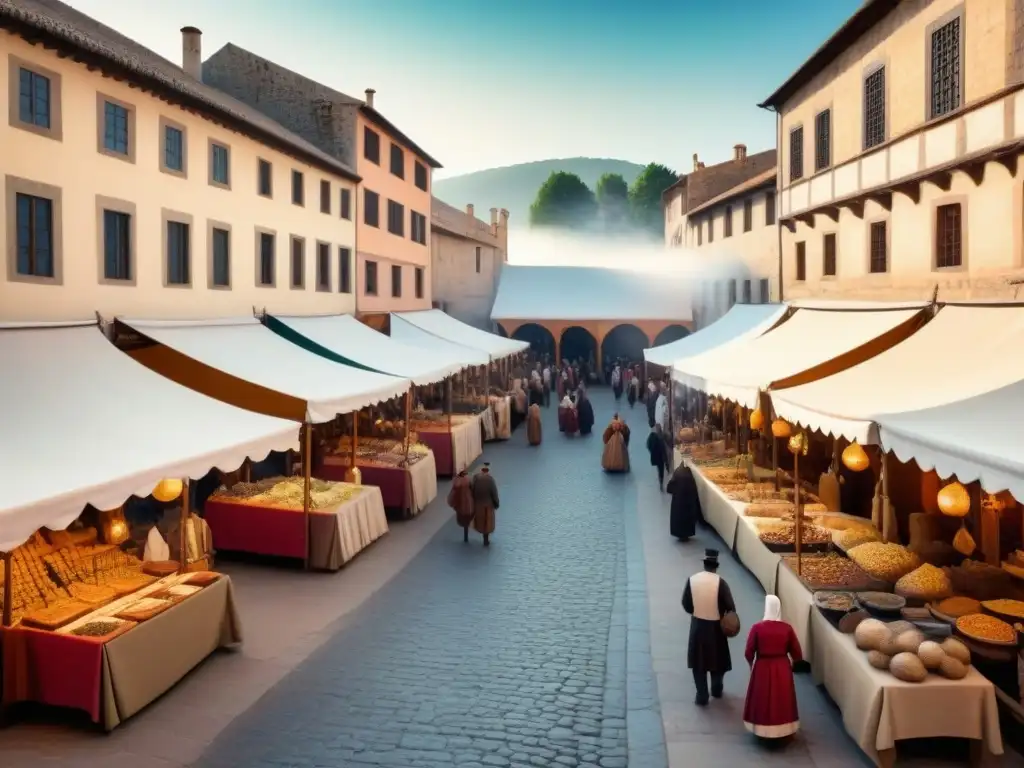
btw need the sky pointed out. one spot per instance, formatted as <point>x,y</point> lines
<point>488,84</point>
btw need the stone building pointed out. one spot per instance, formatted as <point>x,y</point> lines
<point>392,209</point>
<point>134,189</point>
<point>467,256</point>
<point>899,142</point>
<point>724,216</point>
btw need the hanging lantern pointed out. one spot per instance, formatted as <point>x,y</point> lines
<point>756,419</point>
<point>798,443</point>
<point>855,458</point>
<point>954,501</point>
<point>781,428</point>
<point>167,490</point>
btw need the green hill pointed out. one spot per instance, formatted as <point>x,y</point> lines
<point>515,186</point>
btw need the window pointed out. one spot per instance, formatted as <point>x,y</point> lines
<point>370,278</point>
<point>220,165</point>
<point>418,225</point>
<point>746,291</point>
<point>732,292</point>
<point>345,204</point>
<point>478,259</point>
<point>325,197</point>
<point>220,247</point>
<point>174,149</point>
<point>421,175</point>
<point>179,253</point>
<point>769,209</point>
<point>396,281</point>
<point>878,259</point>
<point>35,236</point>
<point>948,236</point>
<point>419,282</point>
<point>33,98</point>
<point>748,215</point>
<point>700,233</point>
<point>397,161</point>
<point>828,257</point>
<point>823,140</point>
<point>801,260</point>
<point>796,154</point>
<point>116,130</point>
<point>117,246</point>
<point>945,68</point>
<point>711,227</point>
<point>323,267</point>
<point>371,145</point>
<point>345,270</point>
<point>265,259</point>
<point>265,180</point>
<point>371,208</point>
<point>298,261</point>
<point>766,291</point>
<point>874,108</point>
<point>396,218</point>
<point>728,221</point>
<point>298,188</point>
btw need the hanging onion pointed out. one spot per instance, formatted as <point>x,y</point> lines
<point>954,501</point>
<point>167,490</point>
<point>781,428</point>
<point>855,458</point>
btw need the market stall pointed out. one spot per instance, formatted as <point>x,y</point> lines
<point>743,321</point>
<point>91,619</point>
<point>438,323</point>
<point>239,361</point>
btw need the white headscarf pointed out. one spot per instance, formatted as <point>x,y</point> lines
<point>772,608</point>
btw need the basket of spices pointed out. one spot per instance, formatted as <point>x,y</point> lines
<point>102,629</point>
<point>780,536</point>
<point>831,572</point>
<point>884,605</point>
<point>834,605</point>
<point>952,608</point>
<point>986,630</point>
<point>1010,611</point>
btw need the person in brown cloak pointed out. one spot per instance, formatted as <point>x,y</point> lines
<point>533,427</point>
<point>485,502</point>
<point>460,498</point>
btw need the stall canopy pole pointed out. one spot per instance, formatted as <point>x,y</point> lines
<point>408,422</point>
<point>307,468</point>
<point>8,591</point>
<point>448,401</point>
<point>799,513</point>
<point>888,534</point>
<point>355,439</point>
<point>183,526</point>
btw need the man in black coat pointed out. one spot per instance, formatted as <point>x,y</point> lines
<point>686,509</point>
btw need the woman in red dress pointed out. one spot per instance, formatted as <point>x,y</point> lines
<point>772,648</point>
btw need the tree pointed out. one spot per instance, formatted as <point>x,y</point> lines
<point>612,197</point>
<point>645,197</point>
<point>563,201</point>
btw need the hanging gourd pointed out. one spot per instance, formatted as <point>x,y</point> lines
<point>855,458</point>
<point>781,429</point>
<point>167,490</point>
<point>798,443</point>
<point>756,419</point>
<point>963,542</point>
<point>954,501</point>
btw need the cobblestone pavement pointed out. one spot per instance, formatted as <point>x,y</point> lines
<point>512,655</point>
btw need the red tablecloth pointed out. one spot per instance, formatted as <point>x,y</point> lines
<point>259,530</point>
<point>444,455</point>
<point>393,482</point>
<point>52,669</point>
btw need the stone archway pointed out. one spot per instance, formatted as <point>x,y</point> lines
<point>501,330</point>
<point>624,341</point>
<point>577,343</point>
<point>671,333</point>
<point>540,339</point>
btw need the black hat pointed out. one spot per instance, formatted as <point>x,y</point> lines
<point>486,467</point>
<point>710,558</point>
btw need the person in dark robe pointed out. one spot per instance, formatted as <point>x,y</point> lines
<point>707,598</point>
<point>460,498</point>
<point>533,426</point>
<point>571,421</point>
<point>584,412</point>
<point>686,509</point>
<point>615,456</point>
<point>617,382</point>
<point>659,458</point>
<point>633,390</point>
<point>770,710</point>
<point>652,404</point>
<point>536,394</point>
<point>485,502</point>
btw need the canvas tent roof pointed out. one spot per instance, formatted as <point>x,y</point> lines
<point>975,439</point>
<point>353,342</point>
<point>742,321</point>
<point>591,293</point>
<point>802,346</point>
<point>958,354</point>
<point>447,327</point>
<point>414,336</point>
<point>86,424</point>
<point>244,349</point>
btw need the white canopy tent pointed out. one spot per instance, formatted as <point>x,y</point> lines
<point>741,322</point>
<point>414,336</point>
<point>740,370</point>
<point>975,439</point>
<point>84,424</point>
<point>960,353</point>
<point>245,349</point>
<point>346,337</point>
<point>447,327</point>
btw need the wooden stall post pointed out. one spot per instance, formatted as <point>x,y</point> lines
<point>799,513</point>
<point>408,422</point>
<point>186,493</point>
<point>888,535</point>
<point>8,591</point>
<point>307,470</point>
<point>448,401</point>
<point>355,440</point>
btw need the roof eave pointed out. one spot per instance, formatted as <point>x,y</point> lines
<point>732,195</point>
<point>383,122</point>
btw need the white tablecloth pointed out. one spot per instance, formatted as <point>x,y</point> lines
<point>467,443</point>
<point>487,422</point>
<point>502,410</point>
<point>423,477</point>
<point>361,521</point>
<point>797,605</point>
<point>752,552</point>
<point>719,510</point>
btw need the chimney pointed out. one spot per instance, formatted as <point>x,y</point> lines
<point>740,153</point>
<point>494,222</point>
<point>369,97</point>
<point>192,52</point>
<point>470,211</point>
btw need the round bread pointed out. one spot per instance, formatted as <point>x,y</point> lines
<point>931,654</point>
<point>910,641</point>
<point>908,668</point>
<point>952,668</point>
<point>889,646</point>
<point>870,634</point>
<point>951,646</point>
<point>879,660</point>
